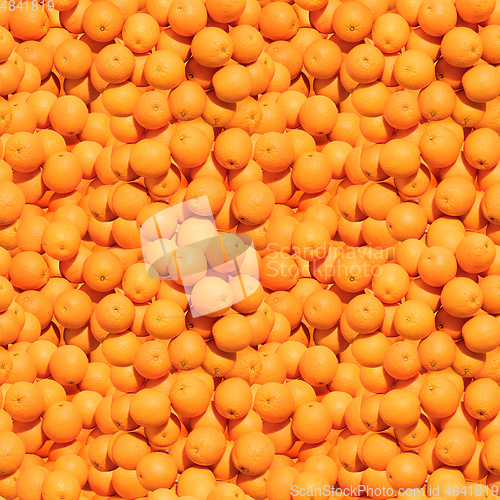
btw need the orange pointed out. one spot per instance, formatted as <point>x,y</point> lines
<point>322,58</point>
<point>29,271</point>
<point>414,69</point>
<point>189,146</point>
<point>352,22</point>
<point>102,23</point>
<point>481,149</point>
<point>348,454</point>
<point>61,483</point>
<point>119,98</point>
<point>475,253</point>
<point>61,240</point>
<point>488,205</point>
<point>232,83</point>
<point>401,111</point>
<point>318,115</point>
<point>6,294</point>
<point>252,203</point>
<point>278,22</point>
<point>318,366</point>
<point>311,172</point>
<point>233,149</point>
<point>189,396</point>
<point>415,435</point>
<point>455,195</point>
<point>66,56</point>
<point>273,402</point>
<point>59,365</point>
<point>390,283</point>
<point>125,483</point>
<point>73,308</point>
<point>114,63</point>
<point>74,464</point>
<point>488,455</point>
<point>187,101</point>
<point>324,465</point>
<point>461,47</point>
<point>480,333</point>
<point>455,446</point>
<point>165,435</point>
<point>226,11</point>
<point>187,351</point>
<point>232,333</point>
<point>322,309</point>
<point>477,12</point>
<point>68,115</point>
<point>62,422</point>
<point>378,449</point>
<point>401,360</point>
<point>24,402</point>
<point>390,32</point>
<point>461,297</point>
<point>488,286</point>
<point>436,17</point>
<point>477,399</point>
<point>273,152</point>
<point>310,240</point>
<point>253,453</point>
<point>352,272</point>
<point>437,351</point>
<point>439,146</point>
<point>466,361</point>
<point>30,481</point>
<point>7,44</point>
<point>364,313</point>
<point>212,47</point>
<point>225,490</point>
<point>24,152</point>
<point>148,467</point>
<point>151,110</point>
<point>481,83</point>
<point>12,202</point>
<point>414,320</point>
<point>140,32</point>
<point>488,37</point>
<point>467,111</point>
<point>445,477</point>
<point>369,99</point>
<point>437,101</point>
<point>218,112</point>
<point>30,24</point>
<point>233,398</point>
<point>62,172</point>
<point>160,313</point>
<point>118,348</point>
<point>439,396</point>
<point>391,408</point>
<point>115,313</point>
<point>210,187</point>
<point>186,17</point>
<point>102,271</point>
<point>212,296</point>
<point>127,449</point>
<point>436,266</point>
<point>406,470</point>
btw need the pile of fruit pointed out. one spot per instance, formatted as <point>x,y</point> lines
<point>353,349</point>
